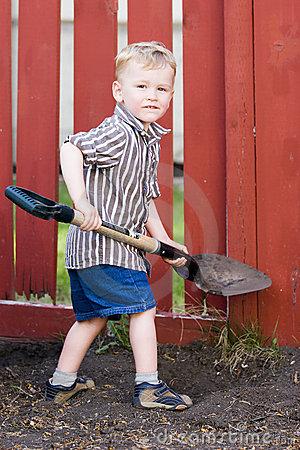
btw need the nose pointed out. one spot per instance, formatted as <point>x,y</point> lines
<point>151,94</point>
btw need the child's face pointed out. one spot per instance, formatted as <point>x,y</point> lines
<point>146,93</point>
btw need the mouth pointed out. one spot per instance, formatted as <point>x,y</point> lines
<point>152,107</point>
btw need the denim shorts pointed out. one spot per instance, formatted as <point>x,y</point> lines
<point>109,291</point>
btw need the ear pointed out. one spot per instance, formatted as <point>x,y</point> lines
<point>117,91</point>
<point>171,97</point>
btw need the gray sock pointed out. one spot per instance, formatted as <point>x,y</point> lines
<point>63,378</point>
<point>142,377</point>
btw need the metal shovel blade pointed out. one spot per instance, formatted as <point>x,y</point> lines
<point>221,275</point>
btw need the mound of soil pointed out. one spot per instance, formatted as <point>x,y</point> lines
<point>255,408</point>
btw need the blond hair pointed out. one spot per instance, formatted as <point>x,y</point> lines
<point>151,54</point>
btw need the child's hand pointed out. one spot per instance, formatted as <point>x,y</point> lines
<point>92,219</point>
<point>179,262</point>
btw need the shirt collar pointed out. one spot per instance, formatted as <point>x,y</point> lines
<point>154,132</point>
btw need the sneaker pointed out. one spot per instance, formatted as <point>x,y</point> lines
<point>60,394</point>
<point>160,395</point>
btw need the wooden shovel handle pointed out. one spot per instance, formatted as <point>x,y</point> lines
<point>145,243</point>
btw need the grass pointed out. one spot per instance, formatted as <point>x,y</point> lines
<point>63,285</point>
<point>63,288</point>
<point>178,235</point>
<point>239,350</point>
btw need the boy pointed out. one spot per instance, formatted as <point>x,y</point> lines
<point>111,174</point>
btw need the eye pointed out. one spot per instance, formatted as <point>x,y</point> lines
<point>162,89</point>
<point>141,86</point>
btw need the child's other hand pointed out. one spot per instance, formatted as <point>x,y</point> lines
<point>179,262</point>
<point>92,219</point>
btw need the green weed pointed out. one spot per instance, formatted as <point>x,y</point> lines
<point>239,349</point>
<point>116,334</point>
<point>120,331</point>
<point>103,348</point>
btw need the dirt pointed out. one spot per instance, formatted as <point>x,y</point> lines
<point>256,407</point>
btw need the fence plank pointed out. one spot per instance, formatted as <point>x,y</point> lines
<point>277,72</point>
<point>95,46</point>
<point>28,321</point>
<point>6,210</point>
<point>204,133</point>
<point>152,20</point>
<point>182,330</point>
<point>31,321</point>
<point>240,146</point>
<point>37,140</point>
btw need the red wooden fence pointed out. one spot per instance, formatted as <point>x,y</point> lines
<point>241,161</point>
<point>37,140</point>
<point>277,75</point>
<point>6,210</point>
<point>241,189</point>
<point>204,131</point>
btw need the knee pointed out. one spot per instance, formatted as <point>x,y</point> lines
<point>146,314</point>
<point>95,324</point>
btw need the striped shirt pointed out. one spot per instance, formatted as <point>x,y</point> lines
<point>120,162</point>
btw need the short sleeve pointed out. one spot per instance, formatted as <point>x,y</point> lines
<point>154,188</point>
<point>155,192</point>
<point>153,184</point>
<point>102,146</point>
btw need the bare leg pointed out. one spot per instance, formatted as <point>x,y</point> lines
<point>144,346</point>
<point>142,334</point>
<point>77,343</point>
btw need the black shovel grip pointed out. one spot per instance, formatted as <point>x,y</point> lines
<point>39,206</point>
<point>167,251</point>
<point>191,269</point>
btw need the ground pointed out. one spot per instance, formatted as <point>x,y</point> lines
<point>257,407</point>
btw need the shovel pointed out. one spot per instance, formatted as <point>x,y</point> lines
<point>212,273</point>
